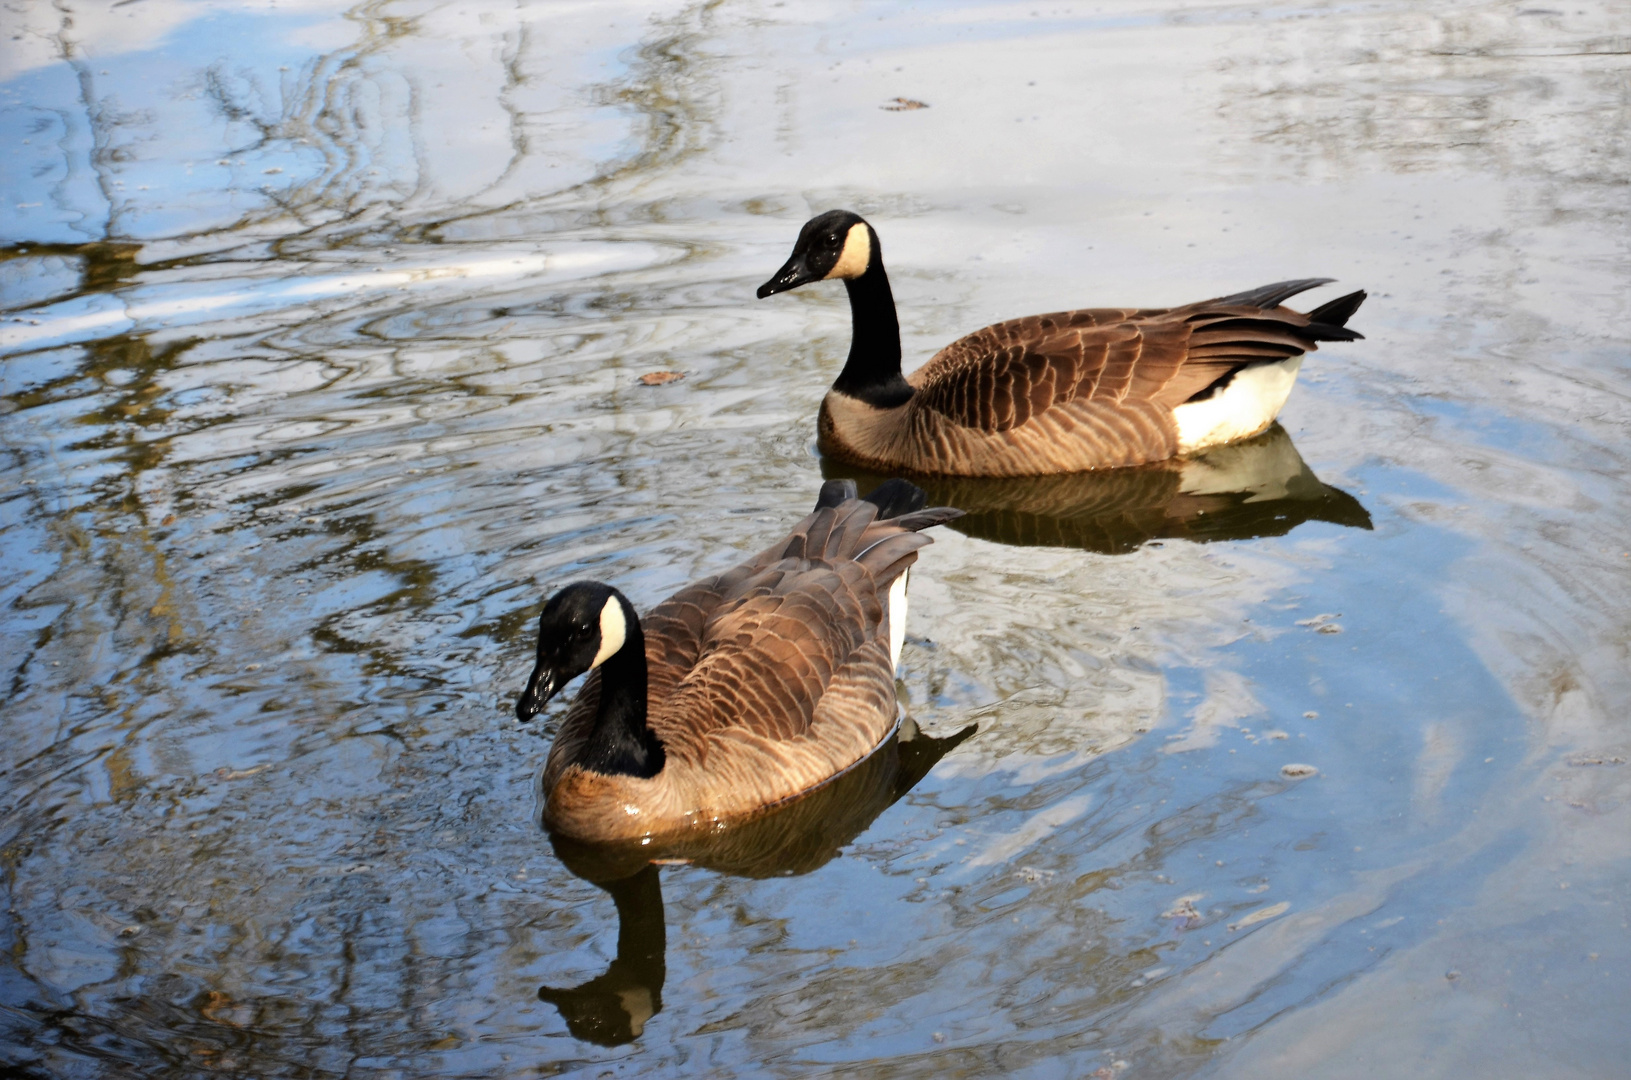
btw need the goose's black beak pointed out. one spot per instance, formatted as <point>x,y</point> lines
<point>540,688</point>
<point>797,272</point>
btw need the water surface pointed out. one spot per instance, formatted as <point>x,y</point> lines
<point>322,334</point>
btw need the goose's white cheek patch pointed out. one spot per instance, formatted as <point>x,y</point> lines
<point>614,631</point>
<point>856,256</point>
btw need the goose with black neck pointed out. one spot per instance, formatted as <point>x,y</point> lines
<point>742,690</point>
<point>1065,392</point>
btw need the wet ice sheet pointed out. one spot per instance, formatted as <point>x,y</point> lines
<point>268,564</point>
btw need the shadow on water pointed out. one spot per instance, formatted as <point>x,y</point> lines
<point>1258,487</point>
<point>613,1008</point>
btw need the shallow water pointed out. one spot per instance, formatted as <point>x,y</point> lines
<point>322,332</point>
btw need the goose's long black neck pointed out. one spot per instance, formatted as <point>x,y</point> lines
<point>872,372</point>
<point>621,743</point>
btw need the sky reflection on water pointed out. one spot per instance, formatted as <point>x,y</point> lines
<point>319,350</point>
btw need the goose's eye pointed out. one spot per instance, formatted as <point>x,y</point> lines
<point>583,628</point>
<point>832,240</point>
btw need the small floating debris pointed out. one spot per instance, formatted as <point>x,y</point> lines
<point>225,773</point>
<point>903,104</point>
<point>658,378</point>
<point>1262,915</point>
<point>1296,771</point>
<point>1323,623</point>
<point>1185,912</point>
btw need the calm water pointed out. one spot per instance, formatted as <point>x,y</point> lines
<point>321,344</point>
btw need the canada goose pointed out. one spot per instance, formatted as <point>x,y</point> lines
<point>739,691</point>
<point>1058,393</point>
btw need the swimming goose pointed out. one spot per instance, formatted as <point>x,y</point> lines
<point>1058,393</point>
<point>738,692</point>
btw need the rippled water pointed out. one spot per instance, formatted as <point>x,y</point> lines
<point>322,333</point>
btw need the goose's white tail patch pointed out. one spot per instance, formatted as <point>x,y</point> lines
<point>897,618</point>
<point>1246,406</point>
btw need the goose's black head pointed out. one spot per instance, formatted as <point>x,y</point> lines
<point>581,627</point>
<point>837,244</point>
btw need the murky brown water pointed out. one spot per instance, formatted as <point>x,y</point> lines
<point>321,340</point>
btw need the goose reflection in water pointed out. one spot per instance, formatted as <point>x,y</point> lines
<point>1257,487</point>
<point>613,1008</point>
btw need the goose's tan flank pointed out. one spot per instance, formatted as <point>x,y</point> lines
<point>1064,392</point>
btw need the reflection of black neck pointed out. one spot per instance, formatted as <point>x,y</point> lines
<point>872,372</point>
<point>612,1009</point>
<point>642,939</point>
<point>621,743</point>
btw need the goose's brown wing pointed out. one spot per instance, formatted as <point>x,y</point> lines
<point>676,629</point>
<point>1001,376</point>
<point>769,654</point>
<point>759,646</point>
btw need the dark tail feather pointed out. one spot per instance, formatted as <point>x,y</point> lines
<point>1267,296</point>
<point>834,493</point>
<point>918,520</point>
<point>899,502</point>
<point>1326,332</point>
<point>893,498</point>
<point>1337,312</point>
